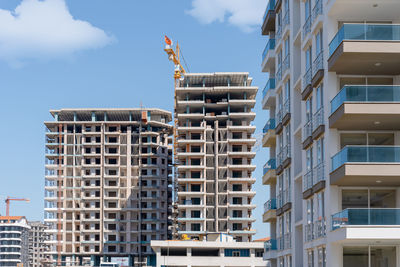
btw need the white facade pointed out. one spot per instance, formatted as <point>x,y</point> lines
<point>109,170</point>
<point>218,253</point>
<point>214,157</point>
<point>14,238</point>
<point>333,172</point>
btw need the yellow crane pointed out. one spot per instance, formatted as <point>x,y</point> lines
<point>179,72</point>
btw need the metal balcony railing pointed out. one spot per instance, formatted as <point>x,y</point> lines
<point>319,173</point>
<point>270,205</point>
<point>308,180</point>
<point>317,10</point>
<point>307,27</point>
<point>270,245</point>
<point>307,130</point>
<point>278,74</point>
<point>373,154</point>
<point>269,47</point>
<point>270,7</point>
<point>270,125</point>
<point>318,63</point>
<point>269,86</point>
<point>286,18</point>
<point>286,63</point>
<point>318,118</point>
<point>366,93</point>
<point>307,77</point>
<point>376,216</point>
<point>365,32</point>
<point>270,165</point>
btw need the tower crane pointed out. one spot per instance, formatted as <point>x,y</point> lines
<point>8,200</point>
<point>179,72</point>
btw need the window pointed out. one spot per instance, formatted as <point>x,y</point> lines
<point>368,198</point>
<point>310,258</point>
<point>322,257</point>
<point>195,214</point>
<point>307,9</point>
<point>320,151</point>
<point>309,159</point>
<point>319,100</point>
<point>236,254</point>
<point>195,227</point>
<point>318,42</point>
<point>309,109</point>
<point>308,58</point>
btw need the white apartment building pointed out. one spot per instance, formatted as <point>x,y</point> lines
<point>214,157</point>
<point>14,241</point>
<point>217,250</point>
<point>109,171</point>
<point>334,166</point>
<point>38,249</point>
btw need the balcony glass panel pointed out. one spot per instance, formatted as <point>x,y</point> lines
<point>270,46</point>
<point>366,93</point>
<point>365,32</point>
<point>270,165</point>
<point>269,86</point>
<point>270,125</point>
<point>270,7</point>
<point>270,205</point>
<point>270,245</point>
<point>366,217</point>
<point>366,154</point>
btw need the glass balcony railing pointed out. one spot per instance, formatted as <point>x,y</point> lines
<point>270,125</point>
<point>270,205</point>
<point>366,217</point>
<point>270,46</point>
<point>270,165</point>
<point>390,154</point>
<point>270,245</point>
<point>366,93</point>
<point>270,7</point>
<point>269,86</point>
<point>365,32</point>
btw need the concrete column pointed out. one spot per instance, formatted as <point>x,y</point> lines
<point>93,116</point>
<point>75,116</point>
<point>56,116</point>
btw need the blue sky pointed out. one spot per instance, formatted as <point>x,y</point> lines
<point>116,61</point>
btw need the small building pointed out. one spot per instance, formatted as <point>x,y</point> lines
<point>14,236</point>
<point>213,250</point>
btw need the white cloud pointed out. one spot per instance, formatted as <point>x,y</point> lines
<point>245,14</point>
<point>45,29</point>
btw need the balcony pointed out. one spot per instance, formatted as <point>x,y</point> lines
<point>366,49</point>
<point>269,94</point>
<point>366,166</point>
<point>307,88</point>
<point>362,107</point>
<point>318,69</point>
<point>268,56</point>
<point>284,242</point>
<point>284,201</point>
<point>317,10</point>
<point>269,133</point>
<point>270,248</point>
<point>269,173</point>
<point>318,125</point>
<point>352,225</point>
<point>269,18</point>
<point>307,27</point>
<point>307,132</point>
<point>269,210</point>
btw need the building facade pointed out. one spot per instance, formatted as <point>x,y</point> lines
<point>14,241</point>
<point>38,249</point>
<point>109,171</point>
<point>218,250</point>
<point>214,142</point>
<point>333,102</point>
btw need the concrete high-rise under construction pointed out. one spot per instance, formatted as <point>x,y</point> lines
<point>107,185</point>
<point>214,142</point>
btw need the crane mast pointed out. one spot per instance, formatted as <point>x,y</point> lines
<point>179,72</point>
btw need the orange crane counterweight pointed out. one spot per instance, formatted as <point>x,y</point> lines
<point>8,199</point>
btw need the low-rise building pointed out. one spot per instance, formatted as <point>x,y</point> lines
<point>14,236</point>
<point>214,250</point>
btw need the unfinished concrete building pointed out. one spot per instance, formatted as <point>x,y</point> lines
<point>108,185</point>
<point>214,173</point>
<point>38,249</point>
